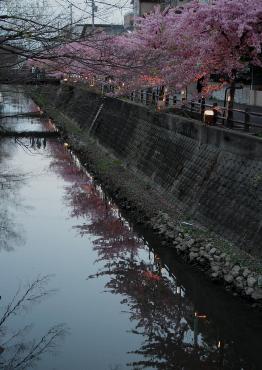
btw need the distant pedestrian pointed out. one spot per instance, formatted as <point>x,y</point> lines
<point>154,97</point>
<point>217,111</point>
<point>38,143</point>
<point>37,73</point>
<point>42,72</point>
<point>184,103</point>
<point>200,85</point>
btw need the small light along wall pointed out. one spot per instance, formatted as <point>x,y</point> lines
<point>161,105</point>
<point>209,116</point>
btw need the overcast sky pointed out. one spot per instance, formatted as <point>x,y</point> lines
<point>109,11</point>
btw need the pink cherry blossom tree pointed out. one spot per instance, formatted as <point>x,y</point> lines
<point>181,45</point>
<point>174,47</point>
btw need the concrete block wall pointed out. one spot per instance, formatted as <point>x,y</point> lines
<point>214,175</point>
<point>242,96</point>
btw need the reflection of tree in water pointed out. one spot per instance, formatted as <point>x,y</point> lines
<point>174,335</point>
<point>16,351</point>
<point>15,100</point>
<point>10,231</point>
<point>157,313</point>
<point>88,202</point>
<point>115,238</point>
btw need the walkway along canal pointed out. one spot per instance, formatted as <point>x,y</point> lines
<point>100,294</point>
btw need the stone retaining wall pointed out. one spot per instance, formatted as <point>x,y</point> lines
<point>213,175</point>
<point>175,175</point>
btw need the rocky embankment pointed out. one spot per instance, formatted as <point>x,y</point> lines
<point>205,252</point>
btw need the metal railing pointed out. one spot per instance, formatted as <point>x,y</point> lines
<point>239,119</point>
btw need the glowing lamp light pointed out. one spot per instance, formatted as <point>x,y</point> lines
<point>160,105</point>
<point>66,145</point>
<point>208,112</point>
<point>65,79</point>
<point>209,116</point>
<point>200,316</point>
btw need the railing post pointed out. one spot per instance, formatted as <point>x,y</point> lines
<point>144,97</point>
<point>202,107</point>
<point>149,97</point>
<point>154,98</point>
<point>167,100</point>
<point>247,119</point>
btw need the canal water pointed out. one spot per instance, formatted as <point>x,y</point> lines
<point>81,289</point>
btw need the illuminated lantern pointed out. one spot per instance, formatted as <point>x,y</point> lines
<point>209,117</point>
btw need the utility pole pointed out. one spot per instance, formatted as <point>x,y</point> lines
<point>71,15</point>
<point>70,34</point>
<point>93,10</point>
<point>93,15</point>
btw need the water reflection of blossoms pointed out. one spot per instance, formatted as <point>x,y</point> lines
<point>101,217</point>
<point>174,335</point>
<point>161,313</point>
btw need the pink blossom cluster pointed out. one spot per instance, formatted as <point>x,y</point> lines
<point>183,44</point>
<point>173,47</point>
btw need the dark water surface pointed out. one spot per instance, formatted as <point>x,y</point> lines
<point>117,300</point>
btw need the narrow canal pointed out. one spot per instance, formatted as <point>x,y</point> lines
<point>82,290</point>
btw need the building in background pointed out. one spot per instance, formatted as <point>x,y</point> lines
<point>129,21</point>
<point>110,29</point>
<point>81,31</point>
<point>251,91</point>
<point>142,7</point>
